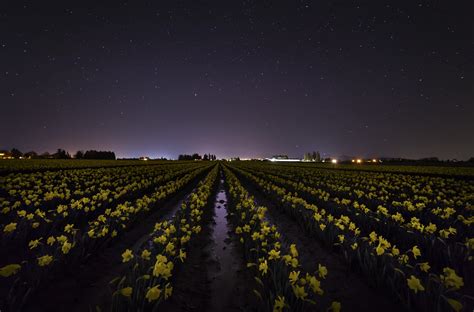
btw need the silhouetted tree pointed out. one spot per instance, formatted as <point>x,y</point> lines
<point>79,155</point>
<point>16,153</point>
<point>31,154</point>
<point>45,155</point>
<point>61,154</point>
<point>92,154</point>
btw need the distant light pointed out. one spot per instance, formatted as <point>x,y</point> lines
<point>359,161</point>
<point>374,160</point>
<point>353,160</point>
<point>334,161</point>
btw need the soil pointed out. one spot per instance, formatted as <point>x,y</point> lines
<point>213,276</point>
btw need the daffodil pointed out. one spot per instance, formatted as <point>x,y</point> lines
<point>293,251</point>
<point>51,240</point>
<point>416,251</point>
<point>168,290</point>
<point>146,254</point>
<point>335,306</point>
<point>294,275</point>
<point>9,227</point>
<point>10,269</point>
<point>127,255</point>
<point>456,305</point>
<point>424,266</point>
<point>263,267</point>
<point>66,247</point>
<point>451,279</point>
<point>69,228</point>
<point>273,254</point>
<point>126,291</point>
<point>379,250</point>
<point>279,304</point>
<point>415,284</point>
<point>153,293</point>
<point>44,260</point>
<point>322,271</point>
<point>33,244</point>
<point>182,255</point>
<point>299,292</point>
<point>314,284</point>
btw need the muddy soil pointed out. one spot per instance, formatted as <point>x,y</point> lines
<point>213,276</point>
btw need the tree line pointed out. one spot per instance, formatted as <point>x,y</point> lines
<point>196,156</point>
<point>60,154</point>
<point>314,156</point>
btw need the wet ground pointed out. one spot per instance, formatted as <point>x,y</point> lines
<point>213,278</point>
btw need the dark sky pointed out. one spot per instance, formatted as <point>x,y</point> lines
<point>247,78</point>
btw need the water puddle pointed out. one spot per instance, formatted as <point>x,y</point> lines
<point>224,274</point>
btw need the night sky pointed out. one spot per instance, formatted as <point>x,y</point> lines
<point>238,78</point>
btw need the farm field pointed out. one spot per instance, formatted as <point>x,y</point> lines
<point>234,236</point>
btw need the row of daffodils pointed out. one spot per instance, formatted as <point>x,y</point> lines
<point>54,249</point>
<point>148,279</point>
<point>423,269</point>
<point>281,285</point>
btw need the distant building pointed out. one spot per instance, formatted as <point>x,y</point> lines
<point>5,155</point>
<point>274,159</point>
<point>144,158</point>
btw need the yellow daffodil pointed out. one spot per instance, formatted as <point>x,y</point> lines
<point>153,293</point>
<point>415,284</point>
<point>273,255</point>
<point>182,255</point>
<point>294,275</point>
<point>146,254</point>
<point>379,250</point>
<point>322,271</point>
<point>10,269</point>
<point>127,255</point>
<point>293,251</point>
<point>416,251</point>
<point>33,244</point>
<point>341,238</point>
<point>451,279</point>
<point>314,284</point>
<point>335,306</point>
<point>424,266</point>
<point>9,227</point>
<point>44,260</point>
<point>456,305</point>
<point>69,228</point>
<point>263,267</point>
<point>168,290</point>
<point>299,292</point>
<point>66,247</point>
<point>126,291</point>
<point>51,240</point>
<point>279,304</point>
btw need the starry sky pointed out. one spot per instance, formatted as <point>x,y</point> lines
<point>238,78</point>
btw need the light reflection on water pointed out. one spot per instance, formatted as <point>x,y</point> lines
<point>223,279</point>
